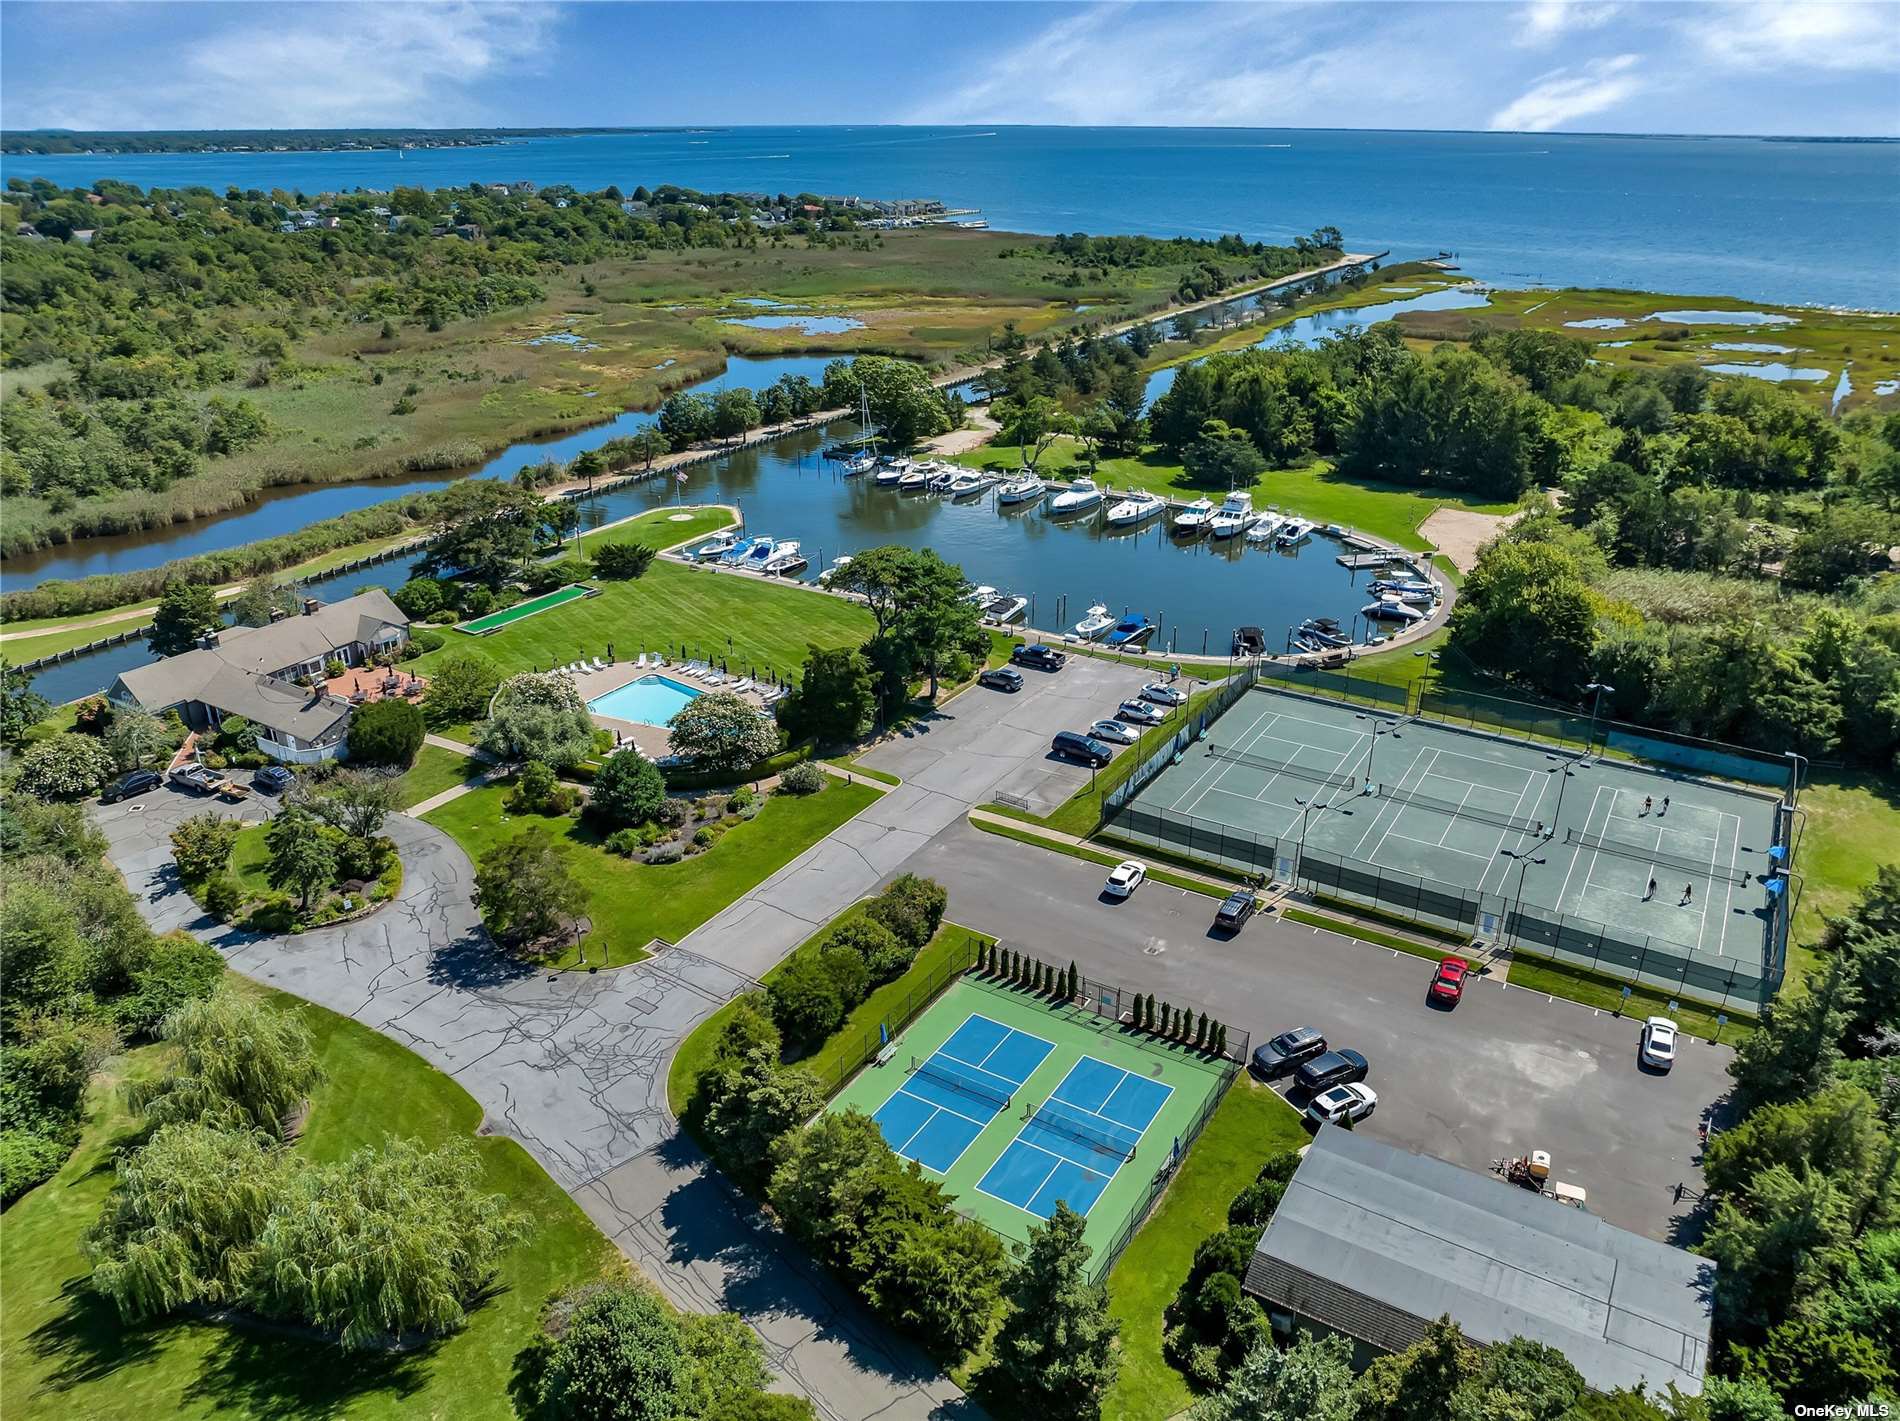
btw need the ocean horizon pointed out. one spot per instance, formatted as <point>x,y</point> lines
<point>1790,219</point>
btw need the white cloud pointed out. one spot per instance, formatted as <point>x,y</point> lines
<point>1559,98</point>
<point>1812,35</point>
<point>1544,21</point>
<point>314,66</point>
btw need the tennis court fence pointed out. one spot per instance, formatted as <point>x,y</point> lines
<point>834,1069</point>
<point>1157,759</point>
<point>1488,917</point>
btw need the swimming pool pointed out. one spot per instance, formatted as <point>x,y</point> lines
<point>650,700</point>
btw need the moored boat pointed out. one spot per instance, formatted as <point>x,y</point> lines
<point>859,464</point>
<point>914,479</point>
<point>736,554</point>
<point>785,558</point>
<point>838,565</point>
<point>1266,527</point>
<point>717,546</point>
<point>1192,521</point>
<point>966,483</point>
<point>1391,611</point>
<point>1233,516</point>
<point>758,554</point>
<point>1138,507</point>
<point>1006,607</point>
<point>1097,621</point>
<point>1081,495</point>
<point>1132,630</point>
<point>1021,490</point>
<point>1296,531</point>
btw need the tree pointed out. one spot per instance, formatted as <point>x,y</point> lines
<point>484,531</point>
<point>63,766</point>
<point>720,731</point>
<point>752,1104</point>
<point>539,715</point>
<point>186,612</point>
<point>912,907</point>
<point>1032,423</point>
<point>353,802</point>
<point>1835,1133</point>
<point>201,846</point>
<point>526,889</point>
<point>835,698</point>
<point>885,954</point>
<point>1419,1383</point>
<point>302,857</point>
<point>616,1357</point>
<point>1799,1041</point>
<point>460,685</point>
<point>920,605</point>
<point>241,1064</point>
<point>386,732</point>
<point>621,562</point>
<point>1309,1381</point>
<point>562,518</point>
<point>1056,1348</point>
<point>382,1242</point>
<point>1522,1380</point>
<point>1526,610</point>
<point>1776,1242</point>
<point>806,1002</point>
<point>734,412</point>
<point>419,598</point>
<point>136,739</point>
<point>21,707</point>
<point>262,596</point>
<point>1806,1363</point>
<point>1223,457</point>
<point>647,445</point>
<point>903,402</point>
<point>629,789</point>
<point>685,419</point>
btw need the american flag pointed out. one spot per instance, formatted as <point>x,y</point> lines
<point>680,477</point>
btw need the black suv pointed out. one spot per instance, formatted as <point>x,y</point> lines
<point>1285,1051</point>
<point>130,783</point>
<point>1334,1068</point>
<point>1043,658</point>
<point>1004,678</point>
<point>1072,745</point>
<point>1235,910</point>
<point>273,779</point>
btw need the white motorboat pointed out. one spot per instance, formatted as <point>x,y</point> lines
<point>1098,621</point>
<point>914,479</point>
<point>758,554</point>
<point>1233,516</point>
<point>1136,508</point>
<point>1296,531</point>
<point>968,482</point>
<point>890,470</point>
<point>1080,496</point>
<point>717,546</point>
<point>838,565</point>
<point>982,596</point>
<point>785,558</point>
<point>736,554</point>
<point>1391,611</point>
<point>1005,607</point>
<point>1021,490</point>
<point>941,477</point>
<point>1266,527</point>
<point>1192,521</point>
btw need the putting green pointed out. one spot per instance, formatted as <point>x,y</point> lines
<point>508,616</point>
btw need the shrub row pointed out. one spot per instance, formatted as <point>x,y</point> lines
<point>819,987</point>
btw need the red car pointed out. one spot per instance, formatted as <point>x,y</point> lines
<point>1449,983</point>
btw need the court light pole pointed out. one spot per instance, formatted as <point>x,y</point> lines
<point>1378,731</point>
<point>1307,806</point>
<point>1794,779</point>
<point>1524,862</point>
<point>1596,704</point>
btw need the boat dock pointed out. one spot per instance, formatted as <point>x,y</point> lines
<point>1360,561</point>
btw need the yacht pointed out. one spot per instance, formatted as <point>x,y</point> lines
<point>838,565</point>
<point>941,477</point>
<point>736,553</point>
<point>1005,607</point>
<point>890,470</point>
<point>758,554</point>
<point>1021,490</point>
<point>716,546</point>
<point>1393,611</point>
<point>1136,508</point>
<point>1296,531</point>
<point>1324,631</point>
<point>1192,521</point>
<point>1233,516</point>
<point>1133,630</point>
<point>968,482</point>
<point>914,479</point>
<point>785,558</point>
<point>1080,496</point>
<point>982,596</point>
<point>1094,624</point>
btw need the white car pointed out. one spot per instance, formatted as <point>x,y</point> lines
<point>1126,878</point>
<point>1161,693</point>
<point>1659,1043</point>
<point>1342,1104</point>
<point>1140,712</point>
<point>1119,732</point>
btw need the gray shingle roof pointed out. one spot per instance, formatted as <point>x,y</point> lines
<point>1375,1242</point>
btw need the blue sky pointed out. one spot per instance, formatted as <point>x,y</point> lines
<point>1725,66</point>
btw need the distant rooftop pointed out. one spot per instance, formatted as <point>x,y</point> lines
<point>1377,1243</point>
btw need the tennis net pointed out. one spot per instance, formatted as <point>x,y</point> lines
<point>1280,767</point>
<point>1712,871</point>
<point>980,1085</point>
<point>1066,1119</point>
<point>1462,811</point>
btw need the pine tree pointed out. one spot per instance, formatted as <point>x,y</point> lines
<point>1075,981</point>
<point>1057,1345</point>
<point>1035,976</point>
<point>1200,1032</point>
<point>1220,1038</point>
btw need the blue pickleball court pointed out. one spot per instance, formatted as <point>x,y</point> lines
<point>948,1097</point>
<point>1077,1140</point>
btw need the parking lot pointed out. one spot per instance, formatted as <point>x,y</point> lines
<point>1505,1072</point>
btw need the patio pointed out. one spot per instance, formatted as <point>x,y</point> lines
<point>359,685</point>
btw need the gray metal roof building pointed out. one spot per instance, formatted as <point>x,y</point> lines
<point>1377,1243</point>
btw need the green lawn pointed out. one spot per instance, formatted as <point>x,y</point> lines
<point>828,1061</point>
<point>1250,1124</point>
<point>1314,491</point>
<point>634,903</point>
<point>65,1352</point>
<point>676,610</point>
<point>250,861</point>
<point>1593,989</point>
<point>661,527</point>
<point>1853,827</point>
<point>435,770</point>
<point>1106,858</point>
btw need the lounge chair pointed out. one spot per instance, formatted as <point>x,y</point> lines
<point>693,668</point>
<point>641,664</point>
<point>717,678</point>
<point>744,685</point>
<point>658,660</point>
<point>600,664</point>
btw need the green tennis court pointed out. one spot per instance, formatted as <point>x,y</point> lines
<point>1016,1104</point>
<point>508,616</point>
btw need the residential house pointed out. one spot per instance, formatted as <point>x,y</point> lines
<point>254,672</point>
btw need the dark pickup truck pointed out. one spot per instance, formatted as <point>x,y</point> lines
<point>1043,658</point>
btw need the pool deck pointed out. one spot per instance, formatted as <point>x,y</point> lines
<point>653,741</point>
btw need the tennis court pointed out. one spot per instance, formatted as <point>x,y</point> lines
<point>508,616</point>
<point>1015,1104</point>
<point>1383,806</point>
